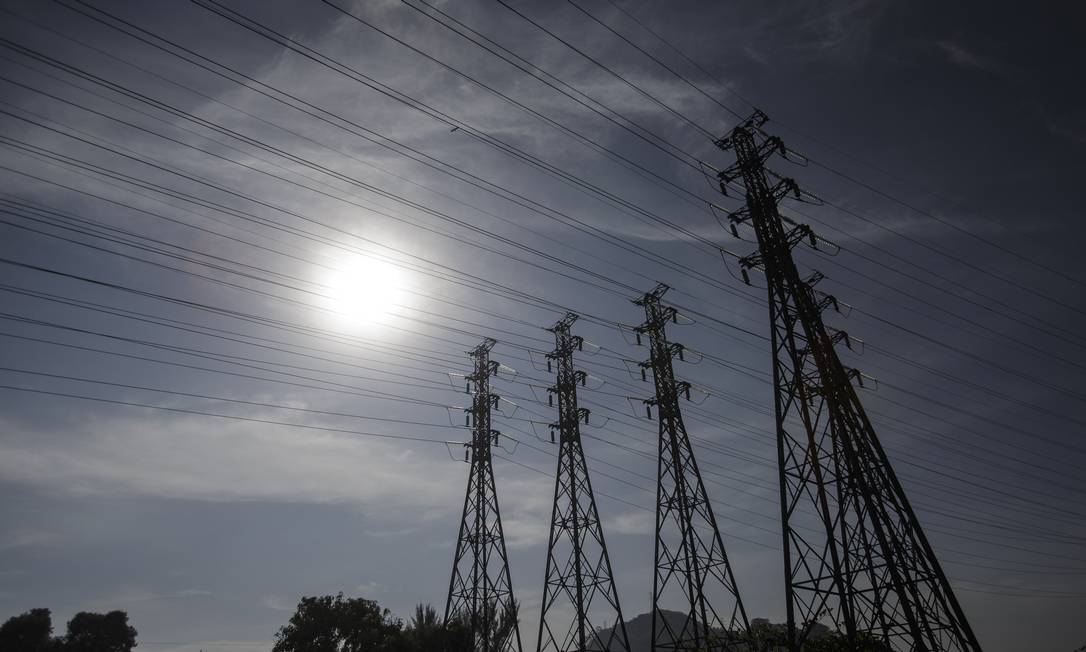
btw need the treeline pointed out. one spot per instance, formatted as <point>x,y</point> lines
<point>359,625</point>
<point>87,632</point>
<point>335,622</point>
<point>319,623</point>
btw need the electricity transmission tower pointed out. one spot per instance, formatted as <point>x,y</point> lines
<point>578,566</point>
<point>854,554</point>
<point>481,591</point>
<point>691,566</point>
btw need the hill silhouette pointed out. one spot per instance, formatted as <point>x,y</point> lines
<point>639,629</point>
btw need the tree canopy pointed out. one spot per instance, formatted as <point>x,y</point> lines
<point>28,632</point>
<point>339,624</point>
<point>87,632</point>
<point>90,632</point>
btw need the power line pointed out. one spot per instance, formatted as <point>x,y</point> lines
<point>470,333</point>
<point>663,105</point>
<point>495,314</point>
<point>735,114</point>
<point>871,569</point>
<point>220,416</point>
<point>1032,260</point>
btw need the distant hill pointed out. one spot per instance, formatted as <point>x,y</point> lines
<point>639,629</point>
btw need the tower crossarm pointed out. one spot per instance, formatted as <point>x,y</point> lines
<point>693,574</point>
<point>867,570</point>
<point>481,589</point>
<point>579,593</point>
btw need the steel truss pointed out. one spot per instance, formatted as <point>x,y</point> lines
<point>481,590</point>
<point>855,556</point>
<point>691,563</point>
<point>580,601</point>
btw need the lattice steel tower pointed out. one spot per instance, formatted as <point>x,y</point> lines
<point>855,556</point>
<point>481,591</point>
<point>692,568</point>
<point>579,592</point>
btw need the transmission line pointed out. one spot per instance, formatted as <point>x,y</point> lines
<point>480,590</point>
<point>881,577</point>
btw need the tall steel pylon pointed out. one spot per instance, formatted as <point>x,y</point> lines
<point>868,570</point>
<point>579,593</point>
<point>481,590</point>
<point>692,568</point>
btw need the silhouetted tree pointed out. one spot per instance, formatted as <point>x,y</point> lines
<point>772,636</point>
<point>91,632</point>
<point>337,624</point>
<point>425,631</point>
<point>455,637</point>
<point>504,626</point>
<point>28,632</point>
<point>498,628</point>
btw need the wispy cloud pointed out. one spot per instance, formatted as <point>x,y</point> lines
<point>1067,132</point>
<point>630,523</point>
<point>197,459</point>
<point>838,30</point>
<point>841,24</point>
<point>136,595</point>
<point>27,538</point>
<point>964,57</point>
<point>277,602</point>
<point>1070,130</point>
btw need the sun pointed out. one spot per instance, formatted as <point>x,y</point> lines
<point>361,291</point>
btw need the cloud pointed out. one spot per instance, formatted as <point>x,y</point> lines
<point>28,538</point>
<point>208,459</point>
<point>835,30</point>
<point>526,510</point>
<point>964,57</point>
<point>630,523</point>
<point>847,23</point>
<point>1067,132</point>
<point>278,603</point>
<point>1073,130</point>
<point>393,533</point>
<point>135,595</point>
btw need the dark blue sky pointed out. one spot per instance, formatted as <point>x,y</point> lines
<point>166,228</point>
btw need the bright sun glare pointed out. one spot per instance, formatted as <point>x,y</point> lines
<point>363,290</point>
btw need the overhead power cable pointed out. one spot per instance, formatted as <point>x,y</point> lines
<point>652,98</point>
<point>342,431</point>
<point>1030,260</point>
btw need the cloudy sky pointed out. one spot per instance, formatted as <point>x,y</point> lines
<point>244,244</point>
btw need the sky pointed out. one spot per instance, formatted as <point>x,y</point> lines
<point>232,269</point>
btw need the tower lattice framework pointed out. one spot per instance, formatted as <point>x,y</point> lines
<point>692,570</point>
<point>855,556</point>
<point>481,590</point>
<point>581,608</point>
